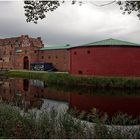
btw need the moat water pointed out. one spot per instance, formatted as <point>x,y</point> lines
<point>37,95</point>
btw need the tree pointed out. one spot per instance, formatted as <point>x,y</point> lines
<point>129,7</point>
<point>35,10</point>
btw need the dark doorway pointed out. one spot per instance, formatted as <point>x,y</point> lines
<point>26,63</point>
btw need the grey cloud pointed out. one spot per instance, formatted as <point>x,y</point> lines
<point>70,24</point>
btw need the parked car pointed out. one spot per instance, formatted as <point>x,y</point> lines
<point>42,66</point>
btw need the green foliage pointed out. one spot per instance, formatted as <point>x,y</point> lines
<point>119,118</point>
<point>35,10</point>
<point>130,6</point>
<point>14,124</point>
<point>61,79</point>
<point>53,125</point>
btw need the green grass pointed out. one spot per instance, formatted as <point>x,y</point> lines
<point>80,81</point>
<point>119,118</point>
<point>47,125</point>
<point>53,125</point>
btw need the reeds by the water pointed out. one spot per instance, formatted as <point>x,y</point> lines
<point>80,81</point>
<point>50,125</point>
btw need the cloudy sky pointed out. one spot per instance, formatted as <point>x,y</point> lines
<point>70,24</point>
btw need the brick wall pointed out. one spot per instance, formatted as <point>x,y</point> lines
<point>105,61</point>
<point>59,58</point>
<point>13,51</point>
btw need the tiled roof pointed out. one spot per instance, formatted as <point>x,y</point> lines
<point>111,42</point>
<point>67,46</point>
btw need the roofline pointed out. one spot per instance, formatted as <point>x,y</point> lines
<point>93,44</point>
<point>111,46</point>
<point>54,49</point>
<point>59,47</point>
<point>9,38</point>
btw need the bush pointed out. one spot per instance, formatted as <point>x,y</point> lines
<point>52,125</point>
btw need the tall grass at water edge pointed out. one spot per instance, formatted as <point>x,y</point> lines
<point>14,124</point>
<point>86,81</point>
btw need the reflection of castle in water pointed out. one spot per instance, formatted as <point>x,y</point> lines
<point>17,92</point>
<point>110,104</point>
<point>29,94</point>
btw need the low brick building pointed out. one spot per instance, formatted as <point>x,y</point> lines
<point>109,57</point>
<point>58,55</point>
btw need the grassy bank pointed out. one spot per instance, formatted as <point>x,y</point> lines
<point>79,81</point>
<point>14,124</point>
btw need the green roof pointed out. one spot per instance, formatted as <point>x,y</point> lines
<point>111,42</point>
<point>67,46</point>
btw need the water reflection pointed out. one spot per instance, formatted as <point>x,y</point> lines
<point>25,84</point>
<point>30,94</point>
<point>109,104</point>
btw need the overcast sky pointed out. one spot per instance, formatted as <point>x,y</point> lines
<point>70,24</point>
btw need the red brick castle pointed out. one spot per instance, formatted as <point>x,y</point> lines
<point>108,57</point>
<point>18,52</point>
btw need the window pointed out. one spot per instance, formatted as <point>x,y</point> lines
<point>42,57</point>
<point>75,53</point>
<point>88,52</point>
<point>80,72</point>
<point>35,51</point>
<point>49,57</point>
<point>56,57</point>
